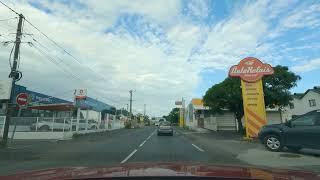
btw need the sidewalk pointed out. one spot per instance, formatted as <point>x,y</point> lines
<point>253,153</point>
<point>232,142</point>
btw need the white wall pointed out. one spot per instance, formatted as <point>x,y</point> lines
<point>189,115</point>
<point>223,122</point>
<point>41,135</point>
<point>91,114</point>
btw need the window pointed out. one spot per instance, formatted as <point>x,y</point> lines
<point>165,123</point>
<point>312,102</point>
<point>308,120</point>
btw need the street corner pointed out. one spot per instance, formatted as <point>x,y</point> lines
<point>261,157</point>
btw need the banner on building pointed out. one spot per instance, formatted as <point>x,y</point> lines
<point>5,89</point>
<point>251,70</point>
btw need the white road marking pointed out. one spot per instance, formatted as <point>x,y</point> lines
<point>142,143</point>
<point>133,152</point>
<point>128,157</point>
<point>198,148</point>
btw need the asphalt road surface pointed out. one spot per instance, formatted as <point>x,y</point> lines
<point>142,145</point>
<point>109,148</point>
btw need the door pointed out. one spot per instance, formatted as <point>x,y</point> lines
<point>303,131</point>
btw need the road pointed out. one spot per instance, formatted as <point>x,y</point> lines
<point>129,146</point>
<point>110,148</point>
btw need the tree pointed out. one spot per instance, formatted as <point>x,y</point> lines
<point>276,87</point>
<point>227,94</point>
<point>173,116</point>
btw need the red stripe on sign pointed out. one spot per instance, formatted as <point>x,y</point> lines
<point>251,133</point>
<point>252,123</point>
<point>262,121</point>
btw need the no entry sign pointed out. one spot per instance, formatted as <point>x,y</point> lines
<point>22,99</point>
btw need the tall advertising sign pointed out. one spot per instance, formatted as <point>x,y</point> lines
<point>251,70</point>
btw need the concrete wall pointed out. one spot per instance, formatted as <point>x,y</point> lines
<point>42,135</point>
<point>221,122</point>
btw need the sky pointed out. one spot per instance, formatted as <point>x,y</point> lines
<point>162,49</point>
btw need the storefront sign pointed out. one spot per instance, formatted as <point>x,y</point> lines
<point>80,94</point>
<point>251,70</point>
<point>5,89</point>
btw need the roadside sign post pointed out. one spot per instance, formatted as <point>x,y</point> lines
<point>251,71</point>
<point>22,100</point>
<point>80,95</point>
<point>181,105</point>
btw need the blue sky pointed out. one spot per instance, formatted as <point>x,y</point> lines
<point>169,49</point>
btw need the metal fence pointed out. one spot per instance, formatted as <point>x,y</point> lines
<point>58,124</point>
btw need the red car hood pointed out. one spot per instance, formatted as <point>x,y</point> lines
<point>162,170</point>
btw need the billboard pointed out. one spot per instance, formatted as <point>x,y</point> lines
<point>251,70</point>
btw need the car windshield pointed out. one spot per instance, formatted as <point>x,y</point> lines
<point>159,84</point>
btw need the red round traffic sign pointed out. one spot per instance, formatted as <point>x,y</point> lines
<point>22,99</point>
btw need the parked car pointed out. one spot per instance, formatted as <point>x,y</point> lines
<point>165,128</point>
<point>58,124</point>
<point>92,124</point>
<point>300,132</point>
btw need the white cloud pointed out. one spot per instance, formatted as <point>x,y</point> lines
<point>311,65</point>
<point>231,40</point>
<point>303,16</point>
<point>198,8</point>
<point>161,70</point>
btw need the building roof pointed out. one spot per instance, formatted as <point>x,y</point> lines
<point>198,104</point>
<point>94,104</point>
<point>315,89</point>
<point>197,101</point>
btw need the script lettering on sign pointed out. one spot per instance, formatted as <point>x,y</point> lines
<point>250,69</point>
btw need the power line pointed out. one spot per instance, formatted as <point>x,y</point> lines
<point>54,42</point>
<point>51,59</point>
<point>10,56</point>
<point>9,7</point>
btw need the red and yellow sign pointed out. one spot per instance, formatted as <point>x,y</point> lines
<point>251,70</point>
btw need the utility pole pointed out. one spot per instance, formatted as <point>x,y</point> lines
<point>131,103</point>
<point>15,75</point>
<point>144,110</point>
